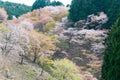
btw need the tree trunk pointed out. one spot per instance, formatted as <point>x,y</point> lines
<point>35,58</point>
<point>41,72</point>
<point>21,62</point>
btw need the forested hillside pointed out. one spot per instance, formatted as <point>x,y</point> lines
<point>50,41</point>
<point>42,3</point>
<point>80,9</point>
<point>14,9</point>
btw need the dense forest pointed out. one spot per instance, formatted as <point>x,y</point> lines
<point>80,9</point>
<point>14,9</point>
<point>42,3</point>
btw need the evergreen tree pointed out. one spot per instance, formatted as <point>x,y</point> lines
<point>113,11</point>
<point>40,4</point>
<point>56,3</point>
<point>111,63</point>
<point>14,9</point>
<point>80,9</point>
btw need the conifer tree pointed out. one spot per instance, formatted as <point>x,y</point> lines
<point>80,9</point>
<point>40,4</point>
<point>56,3</point>
<point>111,63</point>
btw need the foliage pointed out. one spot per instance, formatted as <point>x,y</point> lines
<point>56,3</point>
<point>113,11</point>
<point>64,70</point>
<point>45,16</point>
<point>53,37</point>
<point>3,15</point>
<point>63,44</point>
<point>46,63</point>
<point>30,74</point>
<point>3,28</point>
<point>40,4</point>
<point>80,9</point>
<point>6,40</point>
<point>23,40</point>
<point>59,16</point>
<point>34,18</point>
<point>49,26</point>
<point>60,69</point>
<point>42,48</point>
<point>111,63</point>
<point>14,9</point>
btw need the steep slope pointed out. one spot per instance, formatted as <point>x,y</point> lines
<point>36,45</point>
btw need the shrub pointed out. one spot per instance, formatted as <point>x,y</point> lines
<point>53,37</point>
<point>30,73</point>
<point>64,70</point>
<point>49,26</point>
<point>59,16</point>
<point>63,44</point>
<point>34,18</point>
<point>46,64</point>
<point>3,28</point>
<point>60,69</point>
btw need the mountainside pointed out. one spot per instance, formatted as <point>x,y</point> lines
<point>14,9</point>
<point>39,45</point>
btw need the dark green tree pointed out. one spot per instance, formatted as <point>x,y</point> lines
<point>40,4</point>
<point>14,9</point>
<point>112,11</point>
<point>111,63</point>
<point>80,9</point>
<point>56,3</point>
